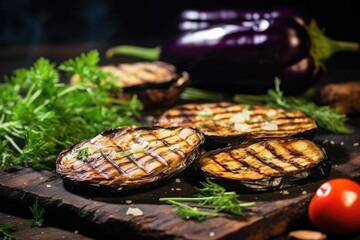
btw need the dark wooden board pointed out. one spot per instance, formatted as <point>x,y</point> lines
<point>274,213</point>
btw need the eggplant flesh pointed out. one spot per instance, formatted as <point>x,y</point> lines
<point>226,123</point>
<point>266,165</point>
<point>156,84</point>
<point>128,159</point>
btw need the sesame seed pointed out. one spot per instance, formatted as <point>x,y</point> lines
<point>48,185</point>
<point>356,144</point>
<point>211,234</point>
<point>128,201</point>
<point>178,180</point>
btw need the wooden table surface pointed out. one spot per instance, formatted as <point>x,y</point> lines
<point>15,199</point>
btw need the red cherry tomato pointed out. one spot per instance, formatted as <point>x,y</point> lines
<point>335,207</point>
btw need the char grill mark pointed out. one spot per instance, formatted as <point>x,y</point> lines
<point>219,119</point>
<point>295,157</point>
<point>127,158</point>
<point>266,162</point>
<point>290,155</point>
<point>114,164</point>
<point>155,153</point>
<point>267,158</point>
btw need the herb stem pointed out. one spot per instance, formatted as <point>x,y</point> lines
<point>191,199</point>
<point>13,143</point>
<point>200,94</point>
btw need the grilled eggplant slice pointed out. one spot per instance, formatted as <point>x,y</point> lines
<point>266,165</point>
<point>157,84</point>
<point>227,122</point>
<point>128,158</point>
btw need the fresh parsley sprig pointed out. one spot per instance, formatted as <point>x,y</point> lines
<point>40,116</point>
<point>211,199</point>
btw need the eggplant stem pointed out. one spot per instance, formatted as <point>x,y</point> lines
<point>324,47</point>
<point>150,54</point>
<point>191,93</point>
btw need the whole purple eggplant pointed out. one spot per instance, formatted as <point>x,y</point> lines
<point>244,50</point>
<point>196,19</point>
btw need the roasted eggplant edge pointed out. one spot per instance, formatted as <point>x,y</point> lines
<point>98,190</point>
<point>318,172</point>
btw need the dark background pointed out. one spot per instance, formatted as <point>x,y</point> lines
<point>24,22</point>
<point>62,29</point>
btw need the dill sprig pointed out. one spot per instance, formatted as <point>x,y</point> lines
<point>37,215</point>
<point>327,118</point>
<point>6,230</point>
<point>211,199</point>
<point>40,116</point>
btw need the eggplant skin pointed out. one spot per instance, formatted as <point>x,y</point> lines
<point>226,123</point>
<point>128,159</point>
<point>265,166</point>
<point>157,96</point>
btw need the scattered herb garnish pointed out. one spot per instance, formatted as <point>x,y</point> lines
<point>37,215</point>
<point>6,229</point>
<point>40,116</point>
<point>327,117</point>
<point>83,154</point>
<point>212,199</point>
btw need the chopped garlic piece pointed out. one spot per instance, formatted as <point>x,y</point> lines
<point>206,112</point>
<point>269,126</point>
<point>271,113</point>
<point>256,119</point>
<point>241,126</point>
<point>134,212</point>
<point>241,116</point>
<point>94,139</point>
<point>136,148</point>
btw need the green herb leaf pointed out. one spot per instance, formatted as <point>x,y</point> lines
<point>40,116</point>
<point>328,118</point>
<point>38,215</point>
<point>83,154</point>
<point>212,199</point>
<point>6,229</point>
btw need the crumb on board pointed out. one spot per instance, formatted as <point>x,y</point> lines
<point>128,201</point>
<point>178,189</point>
<point>307,235</point>
<point>356,144</point>
<point>133,211</point>
<point>178,180</point>
<point>211,234</point>
<point>48,185</point>
<point>284,192</point>
<point>304,192</point>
